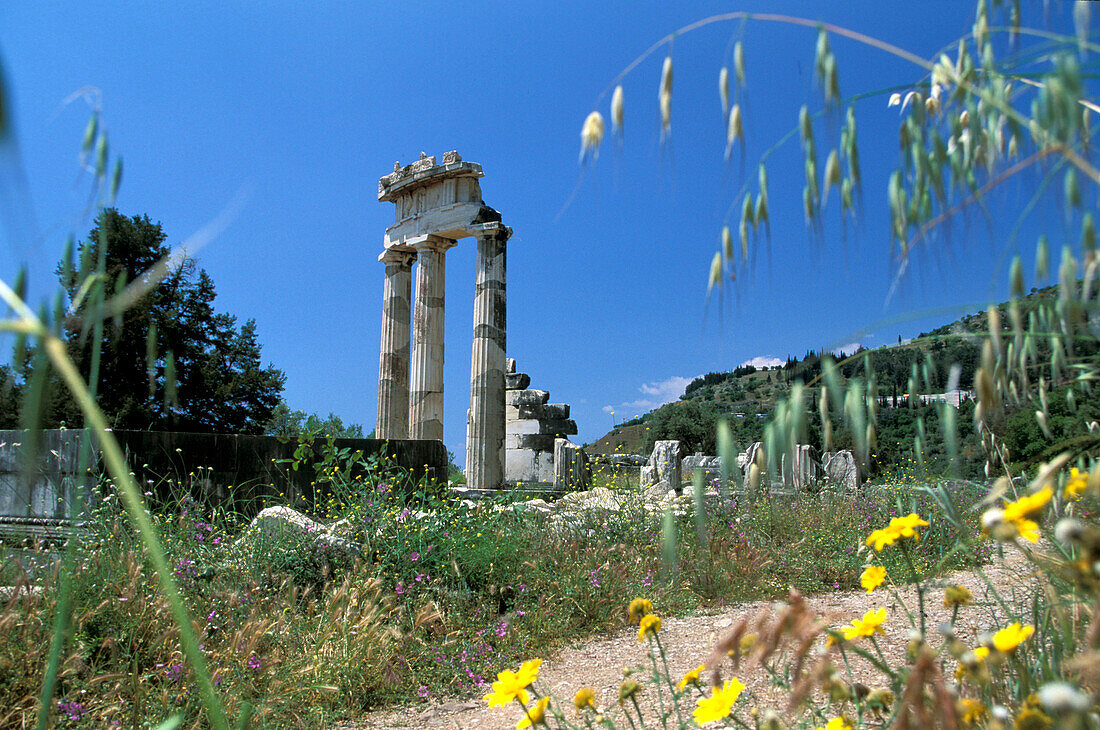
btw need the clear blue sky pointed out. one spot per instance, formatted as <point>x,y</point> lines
<point>302,110</point>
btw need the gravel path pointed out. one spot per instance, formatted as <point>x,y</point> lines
<point>599,662</point>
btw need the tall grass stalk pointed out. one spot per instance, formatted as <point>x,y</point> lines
<point>27,324</point>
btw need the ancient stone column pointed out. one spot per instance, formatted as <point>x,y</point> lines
<point>485,424</point>
<point>426,387</point>
<point>392,421</point>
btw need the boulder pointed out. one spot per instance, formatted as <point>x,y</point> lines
<point>663,465</point>
<point>597,498</point>
<point>279,523</point>
<point>841,469</point>
<point>660,491</point>
<point>711,465</point>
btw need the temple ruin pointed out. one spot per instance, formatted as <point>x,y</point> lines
<point>436,205</point>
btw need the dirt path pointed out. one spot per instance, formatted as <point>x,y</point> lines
<point>688,640</point>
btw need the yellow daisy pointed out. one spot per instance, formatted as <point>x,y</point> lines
<point>872,577</point>
<point>720,702</point>
<point>535,715</point>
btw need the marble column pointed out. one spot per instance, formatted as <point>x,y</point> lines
<point>485,420</point>
<point>392,421</point>
<point>426,388</point>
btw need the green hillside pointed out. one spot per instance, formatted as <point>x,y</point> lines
<point>934,362</point>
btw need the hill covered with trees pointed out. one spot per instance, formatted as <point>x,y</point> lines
<point>944,359</point>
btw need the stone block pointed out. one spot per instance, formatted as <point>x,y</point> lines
<point>570,467</point>
<point>516,381</point>
<point>755,451</point>
<point>544,412</point>
<point>278,524</point>
<point>842,469</point>
<point>536,442</point>
<point>805,470</point>
<point>556,427</point>
<point>528,425</point>
<point>663,464</point>
<point>521,465</point>
<point>545,467</point>
<point>711,465</point>
<point>659,491</point>
<point>509,365</point>
<point>518,398</point>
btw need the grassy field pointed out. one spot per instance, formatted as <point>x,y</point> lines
<point>441,593</point>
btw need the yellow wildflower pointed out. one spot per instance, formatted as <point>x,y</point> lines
<point>510,685</point>
<point>1028,529</point>
<point>870,624</point>
<point>585,697</point>
<point>882,538</point>
<point>872,577</point>
<point>1028,506</point>
<point>837,723</point>
<point>535,715</point>
<point>1075,487</point>
<point>639,607</point>
<point>980,655</point>
<point>720,703</point>
<point>691,677</point>
<point>1010,637</point>
<point>907,525</point>
<point>1032,719</point>
<point>650,623</point>
<point>972,711</point>
<point>898,528</point>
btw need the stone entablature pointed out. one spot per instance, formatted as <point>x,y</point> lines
<point>531,426</point>
<point>438,200</point>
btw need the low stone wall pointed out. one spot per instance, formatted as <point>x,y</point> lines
<point>237,472</point>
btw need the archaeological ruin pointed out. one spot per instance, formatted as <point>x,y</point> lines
<point>435,206</point>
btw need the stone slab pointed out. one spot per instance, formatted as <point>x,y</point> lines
<point>537,442</point>
<point>557,426</point>
<point>527,397</point>
<point>544,412</point>
<point>516,381</point>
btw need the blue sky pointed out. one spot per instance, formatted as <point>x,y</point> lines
<point>298,112</point>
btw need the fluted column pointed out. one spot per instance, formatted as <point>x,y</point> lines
<point>392,421</point>
<point>485,425</point>
<point>426,387</point>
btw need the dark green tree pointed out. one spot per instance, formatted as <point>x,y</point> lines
<point>9,398</point>
<point>288,423</point>
<point>168,361</point>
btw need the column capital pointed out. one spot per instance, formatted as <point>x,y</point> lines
<point>397,256</point>
<point>430,243</point>
<point>494,229</point>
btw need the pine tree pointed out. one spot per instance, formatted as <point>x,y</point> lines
<point>169,361</point>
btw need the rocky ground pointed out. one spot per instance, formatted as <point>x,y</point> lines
<point>688,641</point>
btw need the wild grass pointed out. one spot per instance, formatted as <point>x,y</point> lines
<point>442,590</point>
